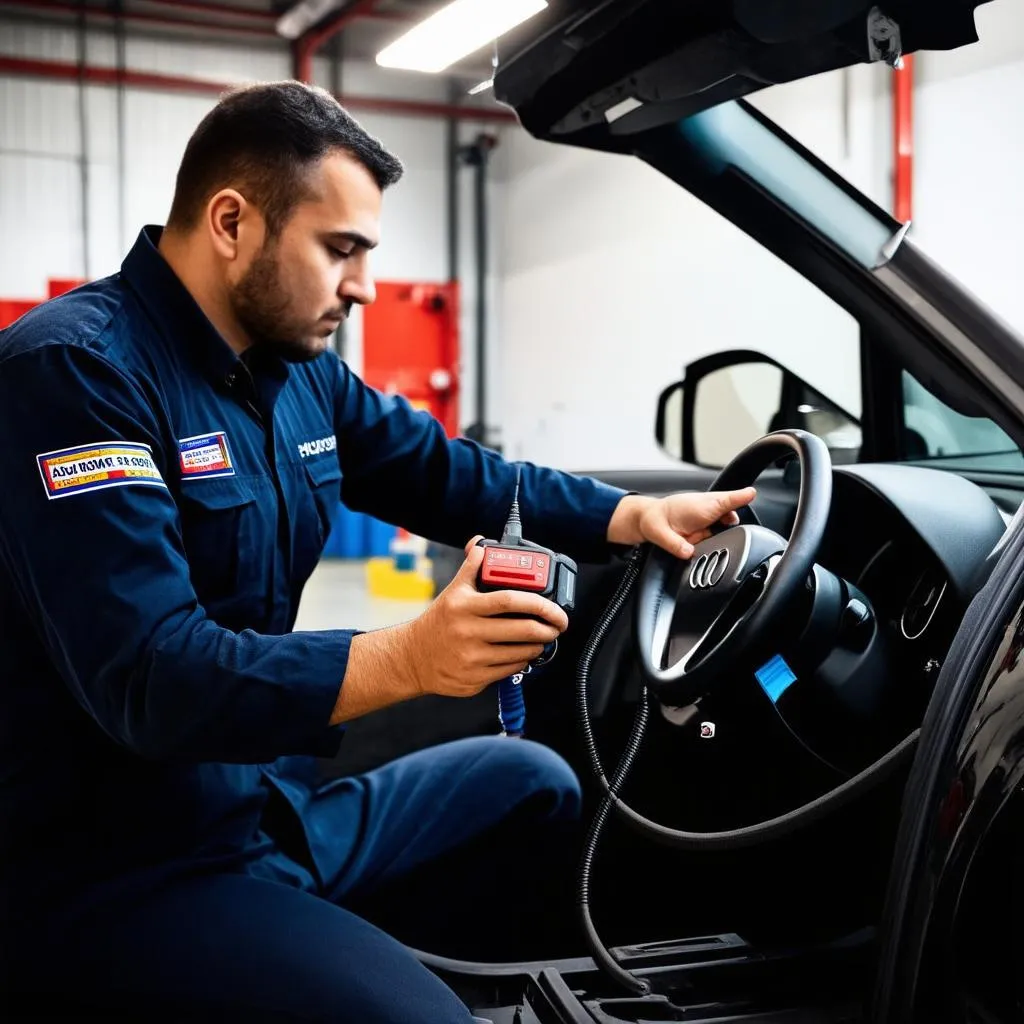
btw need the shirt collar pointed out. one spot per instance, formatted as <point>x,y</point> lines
<point>179,317</point>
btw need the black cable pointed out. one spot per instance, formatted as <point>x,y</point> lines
<point>601,954</point>
<point>733,839</point>
<point>597,948</point>
<point>814,810</point>
<point>513,532</point>
<point>729,840</point>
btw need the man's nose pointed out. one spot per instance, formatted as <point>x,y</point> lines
<point>359,288</point>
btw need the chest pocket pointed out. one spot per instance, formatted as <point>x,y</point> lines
<point>321,483</point>
<point>227,540</point>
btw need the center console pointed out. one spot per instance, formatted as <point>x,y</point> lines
<point>704,980</point>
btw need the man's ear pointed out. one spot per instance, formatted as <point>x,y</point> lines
<point>224,213</point>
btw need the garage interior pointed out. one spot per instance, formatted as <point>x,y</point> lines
<point>542,300</point>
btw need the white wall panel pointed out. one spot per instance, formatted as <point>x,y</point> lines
<point>217,63</point>
<point>49,224</point>
<point>969,203</point>
<point>158,126</point>
<point>38,42</point>
<point>39,118</point>
<point>105,254</point>
<point>40,187</point>
<point>614,279</point>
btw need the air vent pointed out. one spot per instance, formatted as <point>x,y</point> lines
<point>922,603</point>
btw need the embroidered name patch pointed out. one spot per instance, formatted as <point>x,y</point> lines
<point>88,467</point>
<point>318,447</point>
<point>205,455</point>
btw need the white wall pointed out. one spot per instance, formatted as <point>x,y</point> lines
<point>969,201</point>
<point>615,278</point>
<point>40,150</point>
<point>968,209</point>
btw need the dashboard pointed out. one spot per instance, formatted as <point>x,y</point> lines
<point>917,543</point>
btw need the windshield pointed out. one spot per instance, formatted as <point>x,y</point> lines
<point>731,136</point>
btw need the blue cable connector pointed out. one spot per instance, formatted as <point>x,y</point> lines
<point>511,705</point>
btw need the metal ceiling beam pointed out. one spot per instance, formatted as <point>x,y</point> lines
<point>67,71</point>
<point>232,10</point>
<point>142,17</point>
<point>250,12</point>
<point>307,45</point>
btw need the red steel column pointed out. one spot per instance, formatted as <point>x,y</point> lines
<point>903,154</point>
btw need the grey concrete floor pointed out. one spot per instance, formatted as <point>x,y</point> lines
<point>336,598</point>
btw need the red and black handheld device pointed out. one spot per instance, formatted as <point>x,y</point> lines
<point>513,563</point>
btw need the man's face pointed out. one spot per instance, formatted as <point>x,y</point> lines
<point>298,287</point>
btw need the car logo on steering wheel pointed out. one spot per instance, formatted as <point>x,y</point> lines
<point>709,569</point>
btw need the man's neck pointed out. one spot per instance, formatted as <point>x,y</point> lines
<point>202,278</point>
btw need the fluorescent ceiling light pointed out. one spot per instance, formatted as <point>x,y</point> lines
<point>455,32</point>
<point>481,87</point>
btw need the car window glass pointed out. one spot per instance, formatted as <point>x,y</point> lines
<point>936,434</point>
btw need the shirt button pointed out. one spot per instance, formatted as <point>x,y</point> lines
<point>230,379</point>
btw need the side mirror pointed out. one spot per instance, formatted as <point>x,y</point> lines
<point>668,427</point>
<point>729,400</point>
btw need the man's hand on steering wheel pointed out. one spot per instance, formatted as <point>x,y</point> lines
<point>678,522</point>
<point>696,623</point>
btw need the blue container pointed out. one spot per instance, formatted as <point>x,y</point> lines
<point>357,535</point>
<point>347,538</point>
<point>379,536</point>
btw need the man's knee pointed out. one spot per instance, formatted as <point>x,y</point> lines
<point>558,782</point>
<point>533,777</point>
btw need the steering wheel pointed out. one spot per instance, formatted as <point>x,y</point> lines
<point>695,618</point>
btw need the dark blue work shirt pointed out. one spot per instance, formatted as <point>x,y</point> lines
<point>163,503</point>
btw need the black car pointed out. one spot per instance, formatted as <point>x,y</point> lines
<point>823,820</point>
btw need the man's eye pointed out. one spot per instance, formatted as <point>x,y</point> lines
<point>338,254</point>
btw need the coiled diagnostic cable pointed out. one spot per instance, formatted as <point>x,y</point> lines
<point>728,840</point>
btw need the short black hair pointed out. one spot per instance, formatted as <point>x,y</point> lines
<point>262,139</point>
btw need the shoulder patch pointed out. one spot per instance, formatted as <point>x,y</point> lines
<point>205,455</point>
<point>89,467</point>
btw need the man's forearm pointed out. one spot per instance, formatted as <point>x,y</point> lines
<point>380,673</point>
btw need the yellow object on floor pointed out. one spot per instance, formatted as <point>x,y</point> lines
<point>384,580</point>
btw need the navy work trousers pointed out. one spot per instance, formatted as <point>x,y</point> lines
<point>461,849</point>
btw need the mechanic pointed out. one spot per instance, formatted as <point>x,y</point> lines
<point>175,438</point>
